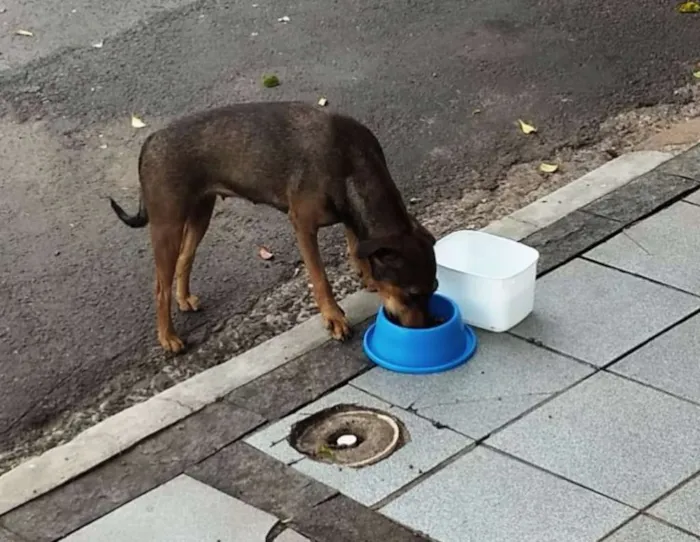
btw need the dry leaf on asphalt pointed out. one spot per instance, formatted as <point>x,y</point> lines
<point>265,254</point>
<point>696,74</point>
<point>526,128</point>
<point>689,7</point>
<point>270,81</point>
<point>24,33</point>
<point>548,168</point>
<point>323,102</point>
<point>137,122</point>
<point>99,44</point>
<point>284,19</point>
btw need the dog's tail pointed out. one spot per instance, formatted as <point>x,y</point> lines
<point>139,220</point>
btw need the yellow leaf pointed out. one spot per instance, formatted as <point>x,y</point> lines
<point>265,254</point>
<point>526,128</point>
<point>689,7</point>
<point>137,122</point>
<point>696,74</point>
<point>24,33</point>
<point>548,168</point>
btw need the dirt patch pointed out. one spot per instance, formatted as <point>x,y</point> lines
<point>671,128</point>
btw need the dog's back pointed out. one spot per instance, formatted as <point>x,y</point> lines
<point>262,151</point>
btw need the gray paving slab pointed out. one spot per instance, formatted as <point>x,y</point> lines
<point>506,377</point>
<point>597,314</point>
<point>428,446</point>
<point>182,510</point>
<point>615,436</point>
<point>130,474</point>
<point>669,362</point>
<point>7,536</point>
<point>291,536</point>
<point>665,247</point>
<point>343,520</point>
<point>645,529</point>
<point>486,496</point>
<point>682,507</point>
<point>694,197</point>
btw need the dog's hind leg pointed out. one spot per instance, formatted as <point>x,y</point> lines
<point>195,228</point>
<point>166,239</point>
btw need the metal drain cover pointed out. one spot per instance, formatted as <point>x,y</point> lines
<point>348,435</point>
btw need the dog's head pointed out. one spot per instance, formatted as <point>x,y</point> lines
<point>404,270</point>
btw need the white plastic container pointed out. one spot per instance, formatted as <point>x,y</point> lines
<point>491,278</point>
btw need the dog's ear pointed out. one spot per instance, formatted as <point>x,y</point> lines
<point>384,256</point>
<point>422,231</point>
<point>376,247</point>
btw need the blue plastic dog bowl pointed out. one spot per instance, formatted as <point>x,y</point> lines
<point>421,351</point>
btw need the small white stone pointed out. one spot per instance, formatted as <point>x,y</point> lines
<point>346,440</point>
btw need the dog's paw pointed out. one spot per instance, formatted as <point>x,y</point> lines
<point>337,325</point>
<point>171,343</point>
<point>189,304</point>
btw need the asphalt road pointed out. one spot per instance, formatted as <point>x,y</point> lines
<point>76,285</point>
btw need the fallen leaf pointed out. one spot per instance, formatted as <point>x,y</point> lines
<point>414,200</point>
<point>526,128</point>
<point>689,7</point>
<point>137,122</point>
<point>99,44</point>
<point>24,33</point>
<point>284,19</point>
<point>322,102</point>
<point>548,168</point>
<point>265,254</point>
<point>476,111</point>
<point>270,81</point>
<point>696,74</point>
<point>325,451</point>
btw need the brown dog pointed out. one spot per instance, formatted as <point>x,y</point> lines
<point>319,168</point>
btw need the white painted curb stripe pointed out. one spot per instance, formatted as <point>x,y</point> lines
<point>103,441</point>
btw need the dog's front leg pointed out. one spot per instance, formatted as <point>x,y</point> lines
<point>307,238</point>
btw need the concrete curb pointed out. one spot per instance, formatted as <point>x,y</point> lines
<point>114,435</point>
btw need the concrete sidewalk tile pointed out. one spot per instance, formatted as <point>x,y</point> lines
<point>596,314</point>
<point>665,247</point>
<point>304,379</point>
<point>686,164</point>
<point>693,198</point>
<point>682,507</point>
<point>7,536</point>
<point>181,510</point>
<point>506,377</point>
<point>486,496</point>
<point>568,237</point>
<point>645,529</point>
<point>149,463</point>
<point>343,520</point>
<point>593,185</point>
<point>428,446</point>
<point>614,436</point>
<point>669,362</point>
<point>291,536</point>
<point>253,476</point>
<point>643,195</point>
